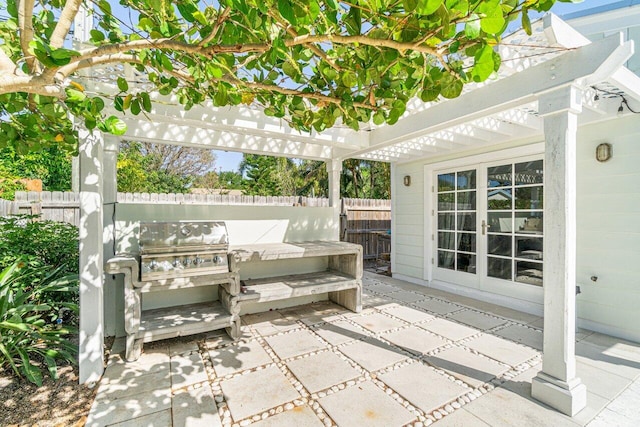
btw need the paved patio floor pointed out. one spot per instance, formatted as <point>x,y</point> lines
<point>414,356</point>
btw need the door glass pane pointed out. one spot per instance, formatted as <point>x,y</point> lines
<point>500,222</point>
<point>529,197</point>
<point>529,272</point>
<point>499,245</point>
<point>529,247</point>
<point>499,176</point>
<point>499,199</point>
<point>467,242</point>
<point>466,221</point>
<point>467,201</point>
<point>529,222</point>
<point>446,201</point>
<point>529,173</point>
<point>499,267</point>
<point>447,221</point>
<point>446,240</point>
<point>446,182</point>
<point>515,215</point>
<point>446,259</point>
<point>466,263</point>
<point>467,180</point>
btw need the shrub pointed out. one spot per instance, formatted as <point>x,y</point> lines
<point>39,242</point>
<point>28,342</point>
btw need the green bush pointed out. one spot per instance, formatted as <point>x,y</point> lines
<point>29,339</point>
<point>39,243</point>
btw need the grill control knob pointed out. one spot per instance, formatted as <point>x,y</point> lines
<point>153,264</point>
<point>176,262</point>
<point>217,259</point>
<point>187,261</point>
<point>198,260</point>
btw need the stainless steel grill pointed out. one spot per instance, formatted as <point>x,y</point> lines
<point>181,249</point>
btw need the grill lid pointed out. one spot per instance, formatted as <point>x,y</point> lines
<point>163,237</point>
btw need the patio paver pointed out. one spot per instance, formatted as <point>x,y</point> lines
<point>340,332</point>
<point>300,416</point>
<point>294,344</point>
<point>375,408</point>
<point>407,296</point>
<point>372,354</point>
<point>501,350</point>
<point>195,408</point>
<point>322,370</point>
<point>523,335</point>
<point>448,329</point>
<point>408,314</point>
<point>437,306</point>
<point>238,357</point>
<point>440,391</point>
<point>478,320</point>
<point>187,370</point>
<point>256,392</point>
<point>471,368</point>
<point>414,339</point>
<point>377,322</point>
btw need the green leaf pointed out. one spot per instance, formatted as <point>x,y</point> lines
<point>122,84</point>
<point>349,79</point>
<point>493,22</point>
<point>75,96</point>
<point>115,126</point>
<point>146,101</point>
<point>451,87</point>
<point>199,16</point>
<point>409,5</point>
<point>286,10</point>
<point>105,6</point>
<point>526,22</point>
<point>472,27</point>
<point>97,36</point>
<point>353,21</point>
<point>430,94</point>
<point>483,65</point>
<point>378,118</point>
<point>135,107</point>
<point>427,7</point>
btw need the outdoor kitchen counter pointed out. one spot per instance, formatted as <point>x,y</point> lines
<point>342,281</point>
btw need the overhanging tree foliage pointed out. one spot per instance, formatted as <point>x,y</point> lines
<point>312,62</point>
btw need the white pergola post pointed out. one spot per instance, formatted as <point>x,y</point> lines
<point>334,167</point>
<point>91,256</point>
<point>557,384</point>
<point>110,159</point>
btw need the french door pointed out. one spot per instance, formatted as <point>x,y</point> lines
<point>488,224</point>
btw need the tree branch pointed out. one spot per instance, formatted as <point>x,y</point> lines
<point>221,18</point>
<point>67,16</point>
<point>25,23</point>
<point>337,39</point>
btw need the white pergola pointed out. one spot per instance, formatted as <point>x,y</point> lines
<point>544,90</point>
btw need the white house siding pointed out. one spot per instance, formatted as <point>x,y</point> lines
<point>608,227</point>
<point>408,217</point>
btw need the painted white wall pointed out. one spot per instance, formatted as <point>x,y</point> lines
<point>608,228</point>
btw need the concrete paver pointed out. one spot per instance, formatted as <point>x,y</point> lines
<point>407,296</point>
<point>300,416</point>
<point>170,386</point>
<point>238,357</point>
<point>440,391</point>
<point>340,332</point>
<point>364,404</point>
<point>322,370</point>
<point>373,354</point>
<point>195,408</point>
<point>294,344</point>
<point>256,392</point>
<point>377,322</point>
<point>473,369</point>
<point>501,350</point>
<point>477,320</point>
<point>408,314</point>
<point>448,329</point>
<point>414,339</point>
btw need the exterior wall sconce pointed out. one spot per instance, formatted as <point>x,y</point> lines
<point>406,180</point>
<point>604,152</point>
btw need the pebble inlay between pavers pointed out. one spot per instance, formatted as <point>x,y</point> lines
<point>327,314</point>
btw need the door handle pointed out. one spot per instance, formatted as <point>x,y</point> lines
<point>485,227</point>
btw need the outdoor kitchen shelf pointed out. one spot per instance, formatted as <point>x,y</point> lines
<point>342,282</point>
<point>283,287</point>
<point>170,322</point>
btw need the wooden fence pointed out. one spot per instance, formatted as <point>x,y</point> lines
<point>368,223</point>
<point>363,221</point>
